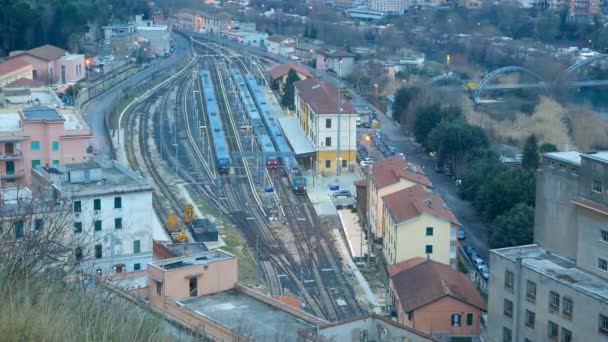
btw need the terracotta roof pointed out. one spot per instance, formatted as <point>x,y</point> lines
<point>404,265</point>
<point>189,11</point>
<point>591,205</point>
<point>45,52</point>
<point>415,200</point>
<point>26,82</point>
<point>389,171</point>
<point>322,97</point>
<point>428,281</point>
<point>289,300</point>
<point>277,38</point>
<point>283,69</point>
<point>12,64</point>
<point>160,251</point>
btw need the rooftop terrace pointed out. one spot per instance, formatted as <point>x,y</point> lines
<point>194,259</point>
<point>249,316</point>
<point>558,268</point>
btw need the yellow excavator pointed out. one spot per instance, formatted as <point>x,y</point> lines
<point>182,236</point>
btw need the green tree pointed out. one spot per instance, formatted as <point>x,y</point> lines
<point>288,90</point>
<point>531,157</point>
<point>426,118</point>
<point>503,190</point>
<point>403,98</point>
<point>485,166</point>
<point>513,228</point>
<point>455,139</point>
<point>547,147</point>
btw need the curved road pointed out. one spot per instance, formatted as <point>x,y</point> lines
<point>99,107</point>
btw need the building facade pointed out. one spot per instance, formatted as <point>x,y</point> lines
<point>188,19</point>
<point>111,206</point>
<point>51,64</point>
<point>389,6</point>
<point>318,107</point>
<point>39,136</point>
<point>417,223</point>
<point>339,61</point>
<point>557,289</point>
<point>386,177</point>
<point>280,45</point>
<point>433,298</point>
<point>14,69</point>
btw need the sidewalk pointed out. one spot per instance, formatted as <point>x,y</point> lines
<point>318,190</point>
<point>357,244</point>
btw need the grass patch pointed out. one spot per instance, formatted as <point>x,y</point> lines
<point>370,273</point>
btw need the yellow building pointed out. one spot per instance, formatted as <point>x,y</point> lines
<point>386,177</point>
<point>318,108</point>
<point>417,223</point>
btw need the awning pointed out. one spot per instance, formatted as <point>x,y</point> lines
<point>300,144</point>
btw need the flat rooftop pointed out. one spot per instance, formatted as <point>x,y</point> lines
<point>193,259</point>
<point>94,178</point>
<point>73,121</point>
<point>10,122</point>
<point>600,155</point>
<point>572,157</point>
<point>249,316</point>
<point>558,268</point>
<point>41,113</point>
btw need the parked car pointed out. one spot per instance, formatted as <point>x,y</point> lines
<point>485,271</point>
<point>461,235</point>
<point>477,261</point>
<point>343,199</point>
<point>468,249</point>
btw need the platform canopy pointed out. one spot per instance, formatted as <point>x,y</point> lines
<point>300,144</point>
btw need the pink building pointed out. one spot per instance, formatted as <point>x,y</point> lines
<point>52,64</point>
<point>39,136</point>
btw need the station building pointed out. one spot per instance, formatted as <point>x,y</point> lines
<point>318,109</point>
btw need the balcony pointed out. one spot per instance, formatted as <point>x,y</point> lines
<point>11,156</point>
<point>12,175</point>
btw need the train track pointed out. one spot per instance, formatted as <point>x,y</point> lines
<point>335,298</point>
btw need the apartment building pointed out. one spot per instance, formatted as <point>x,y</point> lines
<point>389,6</point>
<point>386,177</point>
<point>341,62</point>
<point>39,136</point>
<point>111,206</point>
<point>188,19</point>
<point>51,64</point>
<point>557,289</point>
<point>319,106</point>
<point>418,223</point>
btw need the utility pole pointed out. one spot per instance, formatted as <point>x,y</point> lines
<point>339,162</point>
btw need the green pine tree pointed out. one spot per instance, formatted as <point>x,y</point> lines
<point>288,91</point>
<point>531,157</point>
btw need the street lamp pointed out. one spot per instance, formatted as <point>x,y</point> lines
<point>86,70</point>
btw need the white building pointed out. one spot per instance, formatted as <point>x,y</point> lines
<point>281,45</point>
<point>389,6</point>
<point>257,39</point>
<point>111,206</point>
<point>158,36</point>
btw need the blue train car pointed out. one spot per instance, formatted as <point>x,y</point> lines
<point>259,130</point>
<point>296,178</point>
<point>215,127</point>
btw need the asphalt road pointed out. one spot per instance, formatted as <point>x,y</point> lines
<point>99,107</point>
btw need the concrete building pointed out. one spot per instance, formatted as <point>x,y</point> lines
<point>112,207</point>
<point>188,19</point>
<point>200,292</point>
<point>255,39</point>
<point>278,74</point>
<point>395,7</point>
<point>51,64</point>
<point>158,37</point>
<point>39,136</point>
<point>318,108</point>
<point>191,276</point>
<point>557,289</point>
<point>417,223</point>
<point>370,327</point>
<point>13,70</point>
<point>385,177</point>
<point>280,45</point>
<point>435,299</point>
<point>336,60</point>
